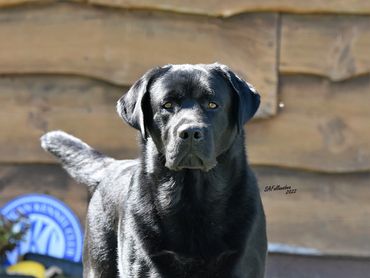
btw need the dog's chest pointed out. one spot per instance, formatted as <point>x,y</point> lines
<point>193,218</point>
<point>187,255</point>
<point>193,234</point>
<point>171,264</point>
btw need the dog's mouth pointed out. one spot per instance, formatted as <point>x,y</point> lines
<point>191,161</point>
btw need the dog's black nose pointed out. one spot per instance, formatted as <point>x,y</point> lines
<point>191,133</point>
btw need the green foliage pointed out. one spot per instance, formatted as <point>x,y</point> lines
<point>11,232</point>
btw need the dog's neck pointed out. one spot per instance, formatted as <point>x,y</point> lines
<point>202,186</point>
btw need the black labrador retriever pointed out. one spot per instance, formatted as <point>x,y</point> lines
<point>190,205</point>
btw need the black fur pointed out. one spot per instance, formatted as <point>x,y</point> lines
<point>190,205</point>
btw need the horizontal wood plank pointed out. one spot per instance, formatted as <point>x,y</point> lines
<point>232,7</point>
<point>225,9</point>
<point>12,3</point>
<point>119,46</point>
<point>7,3</point>
<point>323,126</point>
<point>333,46</point>
<point>86,108</point>
<point>328,212</point>
<point>16,180</point>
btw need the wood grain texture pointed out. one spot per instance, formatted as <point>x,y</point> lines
<point>44,179</point>
<point>11,3</point>
<point>329,213</point>
<point>7,3</point>
<point>225,9</point>
<point>333,46</point>
<point>323,126</point>
<point>86,108</point>
<point>232,7</point>
<point>119,46</point>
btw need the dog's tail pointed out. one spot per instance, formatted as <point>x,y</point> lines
<point>82,162</point>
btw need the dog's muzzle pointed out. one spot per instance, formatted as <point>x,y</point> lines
<point>193,149</point>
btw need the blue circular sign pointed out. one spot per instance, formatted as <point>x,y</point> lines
<point>54,228</point>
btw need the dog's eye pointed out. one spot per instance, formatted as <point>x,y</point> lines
<point>168,105</point>
<point>212,105</point>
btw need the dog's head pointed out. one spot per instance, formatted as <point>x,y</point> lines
<point>191,112</point>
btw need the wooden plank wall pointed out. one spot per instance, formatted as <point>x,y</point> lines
<point>64,65</point>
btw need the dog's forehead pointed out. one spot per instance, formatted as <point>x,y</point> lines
<point>190,80</point>
<point>190,68</point>
<point>190,77</point>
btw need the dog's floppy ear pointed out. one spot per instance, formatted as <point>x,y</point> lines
<point>131,105</point>
<point>248,98</point>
